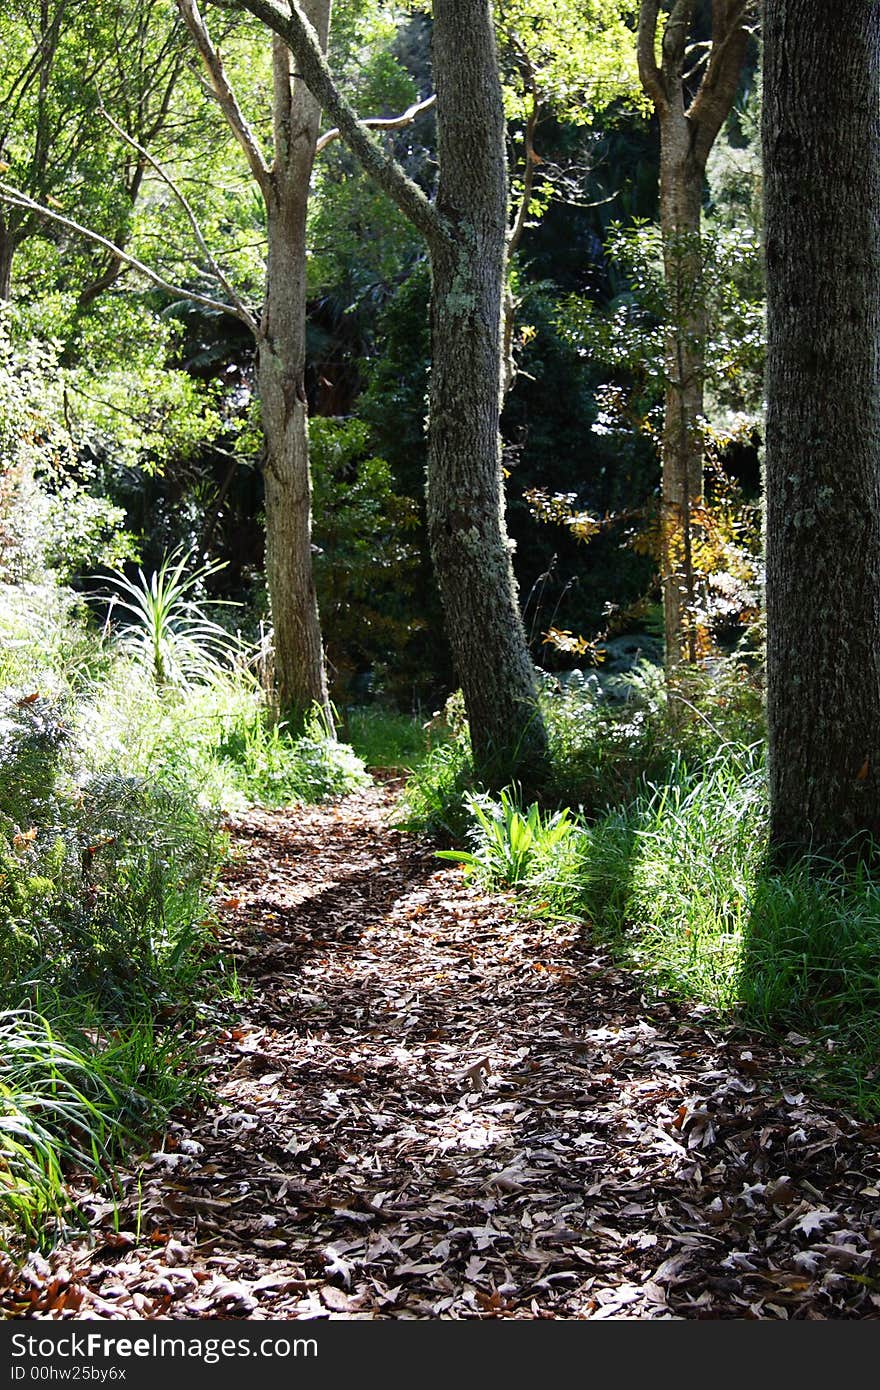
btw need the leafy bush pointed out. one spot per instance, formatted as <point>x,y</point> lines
<point>52,514</point>
<point>278,768</point>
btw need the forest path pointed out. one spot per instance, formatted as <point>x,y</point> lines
<point>432,1108</point>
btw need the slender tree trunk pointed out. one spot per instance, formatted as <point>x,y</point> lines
<point>300,679</point>
<point>821,135</point>
<point>465,496</point>
<point>7,253</point>
<point>689,126</point>
<point>681,192</point>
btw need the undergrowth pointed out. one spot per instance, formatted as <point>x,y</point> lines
<point>113,769</point>
<point>665,859</point>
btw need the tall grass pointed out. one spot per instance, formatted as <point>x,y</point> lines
<point>667,864</point>
<point>385,738</point>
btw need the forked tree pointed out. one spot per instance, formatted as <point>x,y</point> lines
<point>821,142</point>
<point>692,87</point>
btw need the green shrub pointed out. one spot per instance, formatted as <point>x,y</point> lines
<point>512,847</point>
<point>278,768</point>
<point>605,752</point>
<point>435,801</point>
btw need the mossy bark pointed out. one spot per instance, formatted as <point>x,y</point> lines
<point>821,137</point>
<point>300,678</point>
<point>465,495</point>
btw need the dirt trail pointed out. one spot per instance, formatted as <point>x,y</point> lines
<point>433,1109</point>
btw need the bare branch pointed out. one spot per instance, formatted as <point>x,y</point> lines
<point>381,122</point>
<point>17,199</point>
<point>292,26</point>
<point>225,95</point>
<point>531,159</point>
<point>649,71</point>
<point>244,313</point>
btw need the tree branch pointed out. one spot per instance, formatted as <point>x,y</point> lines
<point>531,159</point>
<point>381,122</point>
<point>649,71</point>
<point>225,95</point>
<point>15,198</point>
<point>715,95</point>
<point>674,45</point>
<point>244,313</point>
<point>300,37</point>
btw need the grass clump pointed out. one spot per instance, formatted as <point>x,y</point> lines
<point>436,799</point>
<point>605,751</point>
<point>269,764</point>
<point>681,886</point>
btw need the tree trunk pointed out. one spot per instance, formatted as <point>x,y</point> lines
<point>7,253</point>
<point>300,678</point>
<point>689,126</point>
<point>466,234</point>
<point>681,190</point>
<point>821,135</point>
<point>465,496</point>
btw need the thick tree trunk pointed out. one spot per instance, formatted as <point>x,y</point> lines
<point>821,134</point>
<point>300,679</point>
<point>466,526</point>
<point>681,191</point>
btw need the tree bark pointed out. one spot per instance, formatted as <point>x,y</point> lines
<point>300,677</point>
<point>466,236</point>
<point>821,137</point>
<point>7,254</point>
<point>465,497</point>
<point>681,196</point>
<point>688,130</point>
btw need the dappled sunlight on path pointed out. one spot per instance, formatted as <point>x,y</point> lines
<point>431,1108</point>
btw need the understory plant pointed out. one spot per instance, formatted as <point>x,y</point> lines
<point>511,846</point>
<point>166,629</point>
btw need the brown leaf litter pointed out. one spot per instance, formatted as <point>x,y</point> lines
<point>431,1108</point>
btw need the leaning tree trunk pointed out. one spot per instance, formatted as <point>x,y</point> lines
<point>821,136</point>
<point>681,192</point>
<point>300,679</point>
<point>466,527</point>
